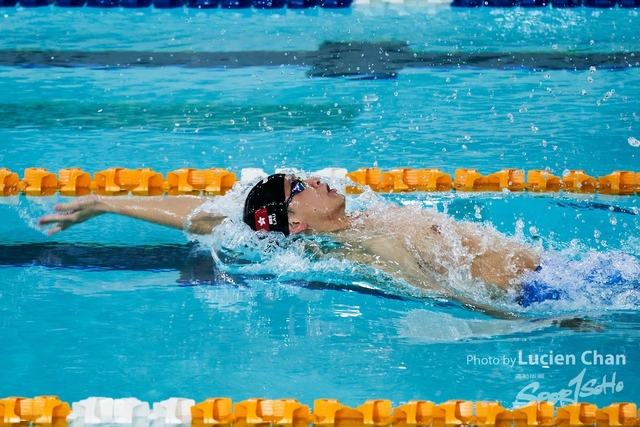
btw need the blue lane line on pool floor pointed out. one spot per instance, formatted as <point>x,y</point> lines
<point>195,265</point>
<point>332,59</point>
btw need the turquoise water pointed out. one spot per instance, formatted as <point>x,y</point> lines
<point>120,308</point>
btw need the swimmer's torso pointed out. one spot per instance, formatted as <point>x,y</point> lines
<point>430,249</point>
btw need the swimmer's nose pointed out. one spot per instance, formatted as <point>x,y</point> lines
<point>314,182</point>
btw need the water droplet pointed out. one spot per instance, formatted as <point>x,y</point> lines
<point>633,142</point>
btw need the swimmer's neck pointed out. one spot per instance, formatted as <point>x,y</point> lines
<point>335,224</point>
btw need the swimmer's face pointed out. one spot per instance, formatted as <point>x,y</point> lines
<point>313,206</point>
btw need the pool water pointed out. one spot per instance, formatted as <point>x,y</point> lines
<point>118,308</point>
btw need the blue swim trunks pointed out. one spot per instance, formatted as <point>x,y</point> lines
<point>599,276</point>
<point>534,290</point>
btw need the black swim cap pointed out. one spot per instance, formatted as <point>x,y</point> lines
<point>266,207</point>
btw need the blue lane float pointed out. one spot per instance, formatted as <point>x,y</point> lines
<point>268,4</point>
<point>167,4</point>
<point>534,3</point>
<point>301,4</point>
<point>500,3</point>
<point>133,4</point>
<point>466,3</point>
<point>103,3</point>
<point>203,4</point>
<point>566,3</point>
<point>235,4</point>
<point>335,4</point>
<point>34,3</point>
<point>600,4</point>
<point>70,3</point>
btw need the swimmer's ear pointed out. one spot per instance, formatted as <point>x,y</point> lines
<point>296,227</point>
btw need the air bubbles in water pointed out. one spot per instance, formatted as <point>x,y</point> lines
<point>478,212</point>
<point>608,95</point>
<point>633,142</point>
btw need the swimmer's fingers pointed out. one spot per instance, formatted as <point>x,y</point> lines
<point>61,221</point>
<point>74,205</point>
<point>72,213</point>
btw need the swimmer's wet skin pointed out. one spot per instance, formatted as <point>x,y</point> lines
<point>412,244</point>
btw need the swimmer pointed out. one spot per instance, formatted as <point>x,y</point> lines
<point>412,244</point>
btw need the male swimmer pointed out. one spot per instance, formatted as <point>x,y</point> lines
<point>416,245</point>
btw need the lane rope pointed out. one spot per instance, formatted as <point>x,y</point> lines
<point>326,412</point>
<point>216,181</point>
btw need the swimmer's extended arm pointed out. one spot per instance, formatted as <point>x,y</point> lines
<point>168,211</point>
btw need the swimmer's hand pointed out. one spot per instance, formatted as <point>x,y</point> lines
<point>72,213</point>
<point>578,324</point>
